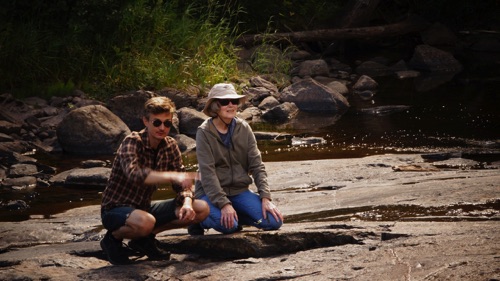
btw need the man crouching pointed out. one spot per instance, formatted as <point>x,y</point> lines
<point>144,160</point>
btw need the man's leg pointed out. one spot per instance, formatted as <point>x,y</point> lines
<point>166,214</point>
<point>138,224</point>
<point>123,222</point>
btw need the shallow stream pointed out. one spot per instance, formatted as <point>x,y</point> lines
<point>458,116</point>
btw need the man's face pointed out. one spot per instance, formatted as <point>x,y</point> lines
<point>158,125</point>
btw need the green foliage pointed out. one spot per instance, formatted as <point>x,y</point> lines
<point>111,46</point>
<point>267,58</point>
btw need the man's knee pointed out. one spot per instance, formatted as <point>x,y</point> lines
<point>202,210</point>
<point>142,222</point>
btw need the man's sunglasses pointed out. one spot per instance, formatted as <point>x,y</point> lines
<point>157,123</point>
<point>225,102</point>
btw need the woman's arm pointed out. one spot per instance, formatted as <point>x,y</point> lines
<point>206,165</point>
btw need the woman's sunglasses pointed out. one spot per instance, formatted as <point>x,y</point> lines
<point>225,102</point>
<point>157,123</point>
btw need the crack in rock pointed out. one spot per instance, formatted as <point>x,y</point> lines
<point>257,244</point>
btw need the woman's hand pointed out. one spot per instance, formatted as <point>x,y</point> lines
<point>268,206</point>
<point>228,216</point>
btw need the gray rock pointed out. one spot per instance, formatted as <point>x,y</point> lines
<point>257,94</point>
<point>258,81</point>
<point>91,130</point>
<point>268,103</point>
<point>281,113</point>
<point>91,177</point>
<point>5,138</point>
<point>185,143</point>
<point>429,58</point>
<point>130,108</point>
<point>338,87</point>
<point>189,120</point>
<point>313,68</point>
<point>373,69</point>
<point>8,128</point>
<point>19,170</point>
<point>93,164</point>
<point>337,223</point>
<point>407,74</point>
<point>311,96</point>
<point>17,205</point>
<point>250,113</point>
<point>365,83</point>
<point>181,98</point>
<point>25,182</point>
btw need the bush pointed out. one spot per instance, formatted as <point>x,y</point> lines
<point>105,47</point>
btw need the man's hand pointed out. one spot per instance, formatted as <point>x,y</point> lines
<point>186,212</point>
<point>186,179</point>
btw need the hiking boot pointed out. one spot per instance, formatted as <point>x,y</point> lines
<point>149,246</point>
<point>114,250</point>
<point>196,229</point>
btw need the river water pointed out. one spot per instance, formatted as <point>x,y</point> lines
<point>459,116</point>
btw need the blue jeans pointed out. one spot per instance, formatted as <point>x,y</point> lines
<point>248,207</point>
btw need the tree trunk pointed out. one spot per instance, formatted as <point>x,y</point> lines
<point>411,24</point>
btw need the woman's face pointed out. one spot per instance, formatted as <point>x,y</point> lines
<point>228,108</point>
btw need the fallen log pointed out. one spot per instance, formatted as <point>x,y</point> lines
<point>411,24</point>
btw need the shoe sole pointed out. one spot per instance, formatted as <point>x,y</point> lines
<point>141,250</point>
<point>106,250</point>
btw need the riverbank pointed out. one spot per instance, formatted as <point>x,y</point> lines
<point>384,217</point>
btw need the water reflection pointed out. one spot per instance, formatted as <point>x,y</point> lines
<point>461,115</point>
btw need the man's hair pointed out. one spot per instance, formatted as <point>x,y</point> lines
<point>158,105</point>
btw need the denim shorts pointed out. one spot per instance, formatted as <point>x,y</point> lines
<point>163,211</point>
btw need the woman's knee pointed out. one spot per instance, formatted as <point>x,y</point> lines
<point>271,224</point>
<point>224,230</point>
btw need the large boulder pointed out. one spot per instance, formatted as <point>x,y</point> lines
<point>311,96</point>
<point>189,120</point>
<point>313,68</point>
<point>430,59</point>
<point>130,107</point>
<point>281,113</point>
<point>181,98</point>
<point>91,130</point>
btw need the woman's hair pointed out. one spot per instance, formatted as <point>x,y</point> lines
<point>158,105</point>
<point>213,108</point>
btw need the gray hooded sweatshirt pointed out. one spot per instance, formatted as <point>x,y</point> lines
<point>225,171</point>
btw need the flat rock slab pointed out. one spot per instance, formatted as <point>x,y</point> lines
<point>346,219</point>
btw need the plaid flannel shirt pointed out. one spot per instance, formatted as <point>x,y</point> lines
<point>134,160</point>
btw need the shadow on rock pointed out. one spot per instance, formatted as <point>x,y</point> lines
<point>255,245</point>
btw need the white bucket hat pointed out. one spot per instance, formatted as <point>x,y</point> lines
<point>221,91</point>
